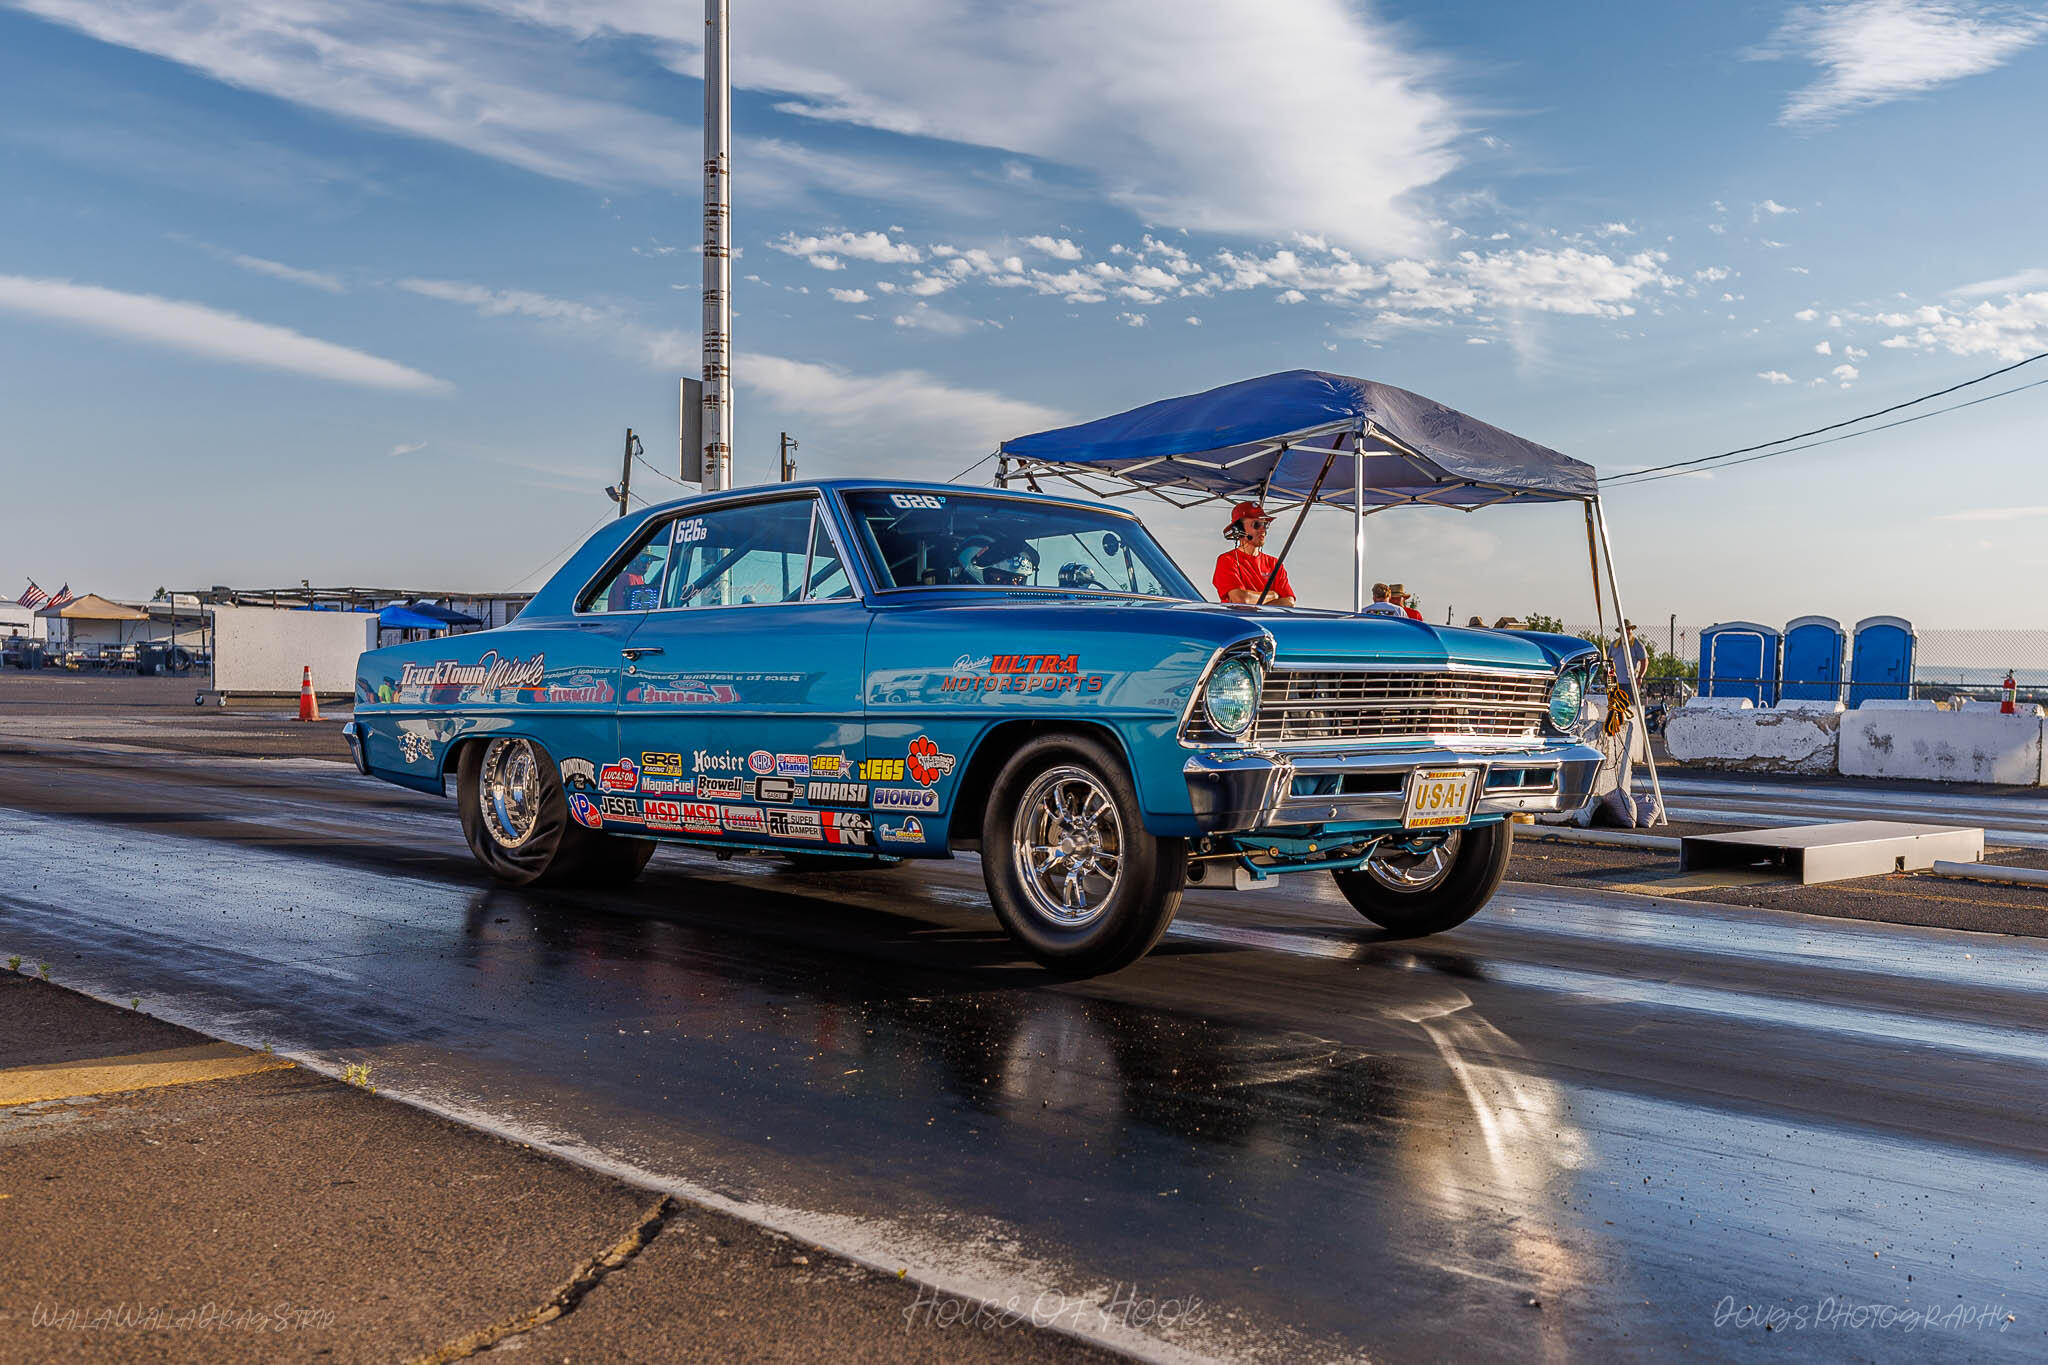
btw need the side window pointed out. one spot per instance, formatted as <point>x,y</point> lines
<point>638,583</point>
<point>744,556</point>
<point>827,576</point>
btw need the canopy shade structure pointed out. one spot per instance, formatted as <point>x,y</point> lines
<point>93,607</point>
<point>1272,438</point>
<point>408,618</point>
<point>445,615</point>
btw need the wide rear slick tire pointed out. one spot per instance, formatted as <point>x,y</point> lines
<point>520,828</point>
<point>1443,902</point>
<point>1071,872</point>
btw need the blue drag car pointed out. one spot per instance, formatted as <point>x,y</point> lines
<point>866,671</point>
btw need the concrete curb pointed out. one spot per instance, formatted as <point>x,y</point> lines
<point>1557,834</point>
<point>1992,872</point>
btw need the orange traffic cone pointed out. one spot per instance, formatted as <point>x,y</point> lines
<point>309,705</point>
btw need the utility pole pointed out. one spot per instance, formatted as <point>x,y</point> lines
<point>718,424</point>
<point>625,488</point>
<point>788,458</point>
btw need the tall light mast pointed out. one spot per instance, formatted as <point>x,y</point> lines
<point>718,440</point>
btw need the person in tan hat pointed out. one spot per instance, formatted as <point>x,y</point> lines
<point>1241,571</point>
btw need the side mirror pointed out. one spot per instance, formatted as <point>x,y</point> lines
<point>1111,543</point>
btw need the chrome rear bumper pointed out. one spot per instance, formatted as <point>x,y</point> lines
<point>1246,789</point>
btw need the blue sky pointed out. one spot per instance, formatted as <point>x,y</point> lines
<point>368,292</point>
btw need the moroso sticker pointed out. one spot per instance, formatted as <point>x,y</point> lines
<point>584,811</point>
<point>881,770</point>
<point>796,824</point>
<point>905,798</point>
<point>761,762</point>
<point>845,827</point>
<point>661,765</point>
<point>911,831</point>
<point>837,793</point>
<point>579,774</point>
<point>926,764</point>
<point>667,786</point>
<point>793,765</point>
<point>722,788</point>
<point>778,790</point>
<point>828,765</point>
<point>748,819</point>
<point>490,673</point>
<point>621,776</point>
<point>706,761</point>
<point>616,807</point>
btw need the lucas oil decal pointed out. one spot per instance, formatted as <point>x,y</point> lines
<point>490,673</point>
<point>621,776</point>
<point>926,764</point>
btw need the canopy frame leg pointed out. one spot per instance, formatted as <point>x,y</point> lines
<point>1321,474</point>
<point>1358,530</point>
<point>1628,647</point>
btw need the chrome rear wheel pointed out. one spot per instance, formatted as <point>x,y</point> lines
<point>509,791</point>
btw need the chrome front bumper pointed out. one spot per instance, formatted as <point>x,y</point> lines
<point>1245,789</point>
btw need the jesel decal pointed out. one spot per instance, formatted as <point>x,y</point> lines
<point>925,763</point>
<point>490,673</point>
<point>616,807</point>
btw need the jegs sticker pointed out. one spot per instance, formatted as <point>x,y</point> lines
<point>828,765</point>
<point>621,776</point>
<point>926,764</point>
<point>881,770</point>
<point>906,798</point>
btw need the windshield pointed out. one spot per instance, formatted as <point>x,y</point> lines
<point>971,540</point>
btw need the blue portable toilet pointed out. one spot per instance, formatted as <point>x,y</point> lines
<point>1881,668</point>
<point>1814,646</point>
<point>1740,659</point>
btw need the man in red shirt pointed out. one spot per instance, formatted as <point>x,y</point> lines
<point>1241,571</point>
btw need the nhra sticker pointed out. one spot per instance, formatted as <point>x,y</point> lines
<point>615,807</point>
<point>905,798</point>
<point>911,831</point>
<point>579,774</point>
<point>926,764</point>
<point>584,811</point>
<point>761,762</point>
<point>844,827</point>
<point>722,788</point>
<point>746,819</point>
<point>662,765</point>
<point>837,794</point>
<point>775,790</point>
<point>881,770</point>
<point>796,824</point>
<point>621,776</point>
<point>704,761</point>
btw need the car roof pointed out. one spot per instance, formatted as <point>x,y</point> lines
<point>884,485</point>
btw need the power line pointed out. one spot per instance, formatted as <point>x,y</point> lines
<point>1636,474</point>
<point>656,471</point>
<point>971,468</point>
<point>581,536</point>
<point>1850,436</point>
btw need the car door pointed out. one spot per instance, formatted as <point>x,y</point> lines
<point>742,706</point>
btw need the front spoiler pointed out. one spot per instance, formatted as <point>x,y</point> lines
<point>1234,790</point>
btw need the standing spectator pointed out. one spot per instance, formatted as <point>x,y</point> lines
<point>1381,606</point>
<point>1398,595</point>
<point>1242,571</point>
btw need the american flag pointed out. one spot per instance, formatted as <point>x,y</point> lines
<point>64,594</point>
<point>34,597</point>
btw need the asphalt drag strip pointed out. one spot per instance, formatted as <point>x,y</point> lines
<point>1586,1123</point>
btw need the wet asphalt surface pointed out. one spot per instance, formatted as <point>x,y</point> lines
<point>1585,1124</point>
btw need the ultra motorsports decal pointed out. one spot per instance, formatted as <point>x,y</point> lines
<point>1050,673</point>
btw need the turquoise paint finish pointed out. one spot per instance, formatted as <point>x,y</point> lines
<point>892,694</point>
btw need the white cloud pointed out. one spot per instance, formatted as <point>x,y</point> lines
<point>1846,373</point>
<point>1995,514</point>
<point>1774,376</point>
<point>2011,330</point>
<point>199,330</point>
<point>1565,280</point>
<point>1192,320</point>
<point>1059,248</point>
<point>1770,206</point>
<point>1806,315</point>
<point>1131,319</point>
<point>924,318</point>
<point>825,249</point>
<point>312,279</point>
<point>408,448</point>
<point>1615,230</point>
<point>1874,51</point>
<point>2016,283</point>
<point>1823,348</point>
<point>658,348</point>
<point>849,295</point>
<point>1855,353</point>
<point>1292,296</point>
<point>1713,274</point>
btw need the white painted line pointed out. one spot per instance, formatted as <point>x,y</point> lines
<point>1561,834</point>
<point>1992,872</point>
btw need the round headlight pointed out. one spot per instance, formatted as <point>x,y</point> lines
<point>1567,700</point>
<point>1232,697</point>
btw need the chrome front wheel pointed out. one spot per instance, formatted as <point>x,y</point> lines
<point>1400,870</point>
<point>1069,845</point>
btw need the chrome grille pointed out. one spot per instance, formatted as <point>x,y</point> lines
<point>1310,706</point>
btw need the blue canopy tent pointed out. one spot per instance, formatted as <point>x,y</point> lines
<point>447,616</point>
<point>1279,438</point>
<point>405,618</point>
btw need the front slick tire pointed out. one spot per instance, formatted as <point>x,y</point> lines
<point>1411,899</point>
<point>1071,872</point>
<point>516,819</point>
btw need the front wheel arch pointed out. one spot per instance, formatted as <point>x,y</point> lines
<point>995,749</point>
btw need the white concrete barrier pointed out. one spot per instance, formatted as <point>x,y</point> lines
<point>1944,746</point>
<point>1791,739</point>
<point>264,649</point>
<point>2022,708</point>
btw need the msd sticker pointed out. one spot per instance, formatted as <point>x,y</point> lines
<point>925,763</point>
<point>621,776</point>
<point>694,816</point>
<point>905,798</point>
<point>584,811</point>
<point>761,762</point>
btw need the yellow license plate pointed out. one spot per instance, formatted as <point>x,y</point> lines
<point>1439,797</point>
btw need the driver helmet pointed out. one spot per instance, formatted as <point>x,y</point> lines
<point>1004,563</point>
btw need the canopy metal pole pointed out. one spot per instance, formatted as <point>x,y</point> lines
<point>1593,562</point>
<point>1321,474</point>
<point>1358,529</point>
<point>1628,646</point>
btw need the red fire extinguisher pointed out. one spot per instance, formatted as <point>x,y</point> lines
<point>2009,706</point>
